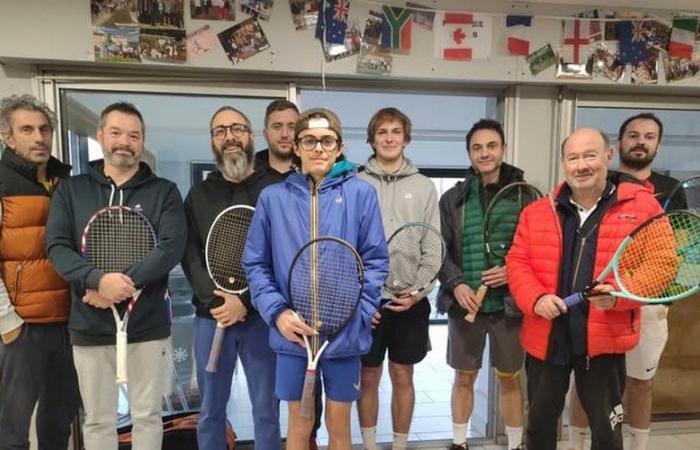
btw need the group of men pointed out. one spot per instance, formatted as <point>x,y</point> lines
<point>58,333</point>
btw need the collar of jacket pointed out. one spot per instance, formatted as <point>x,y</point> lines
<point>143,175</point>
<point>54,167</point>
<point>373,168</point>
<point>509,174</point>
<point>626,186</point>
<point>341,171</point>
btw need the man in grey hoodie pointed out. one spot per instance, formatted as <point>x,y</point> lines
<point>401,327</point>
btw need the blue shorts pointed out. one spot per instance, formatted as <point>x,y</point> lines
<point>341,377</point>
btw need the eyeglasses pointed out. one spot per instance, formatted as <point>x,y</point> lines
<point>309,143</point>
<point>237,129</point>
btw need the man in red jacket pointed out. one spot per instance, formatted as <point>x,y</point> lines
<point>561,244</point>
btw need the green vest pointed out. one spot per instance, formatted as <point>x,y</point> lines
<point>504,219</point>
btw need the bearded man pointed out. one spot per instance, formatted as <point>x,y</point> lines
<point>237,181</point>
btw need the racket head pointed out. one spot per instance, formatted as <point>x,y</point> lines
<point>416,254</point>
<point>499,224</point>
<point>117,237</point>
<point>660,260</point>
<point>223,250</point>
<point>690,189</point>
<point>325,285</point>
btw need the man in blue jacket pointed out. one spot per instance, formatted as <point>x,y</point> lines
<point>323,198</point>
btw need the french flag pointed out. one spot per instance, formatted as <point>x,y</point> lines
<point>518,30</point>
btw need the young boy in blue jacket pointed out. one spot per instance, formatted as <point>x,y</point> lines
<point>323,198</point>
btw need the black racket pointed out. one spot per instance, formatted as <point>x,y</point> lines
<point>500,220</point>
<point>115,238</point>
<point>416,254</point>
<point>685,196</point>
<point>223,253</point>
<point>325,286</point>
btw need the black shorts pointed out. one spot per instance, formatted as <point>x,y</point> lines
<point>404,334</point>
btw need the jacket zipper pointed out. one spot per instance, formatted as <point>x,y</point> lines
<point>578,261</point>
<point>18,281</point>
<point>314,235</point>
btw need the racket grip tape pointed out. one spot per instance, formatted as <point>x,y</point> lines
<point>478,298</point>
<point>308,403</point>
<point>574,299</point>
<point>216,344</point>
<point>122,357</point>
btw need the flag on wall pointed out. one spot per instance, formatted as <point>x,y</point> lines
<point>576,40</point>
<point>633,43</point>
<point>463,36</point>
<point>683,37</point>
<point>333,21</point>
<point>518,35</point>
<point>396,27</point>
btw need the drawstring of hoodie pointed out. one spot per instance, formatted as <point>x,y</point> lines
<point>112,192</point>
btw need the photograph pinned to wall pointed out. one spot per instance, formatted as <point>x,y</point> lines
<point>422,15</point>
<point>678,69</point>
<point>116,44</point>
<point>305,13</point>
<point>159,44</point>
<point>374,60</point>
<point>647,71</point>
<point>114,13</point>
<point>372,34</point>
<point>351,46</point>
<point>610,33</point>
<point>213,9</point>
<point>200,41</point>
<point>606,62</point>
<point>657,34</point>
<point>541,59</point>
<point>243,40</point>
<point>259,9</point>
<point>163,13</point>
<point>595,30</point>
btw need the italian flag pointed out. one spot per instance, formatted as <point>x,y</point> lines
<point>683,38</point>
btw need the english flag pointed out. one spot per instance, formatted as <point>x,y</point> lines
<point>463,36</point>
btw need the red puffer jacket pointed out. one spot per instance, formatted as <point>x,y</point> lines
<point>533,269</point>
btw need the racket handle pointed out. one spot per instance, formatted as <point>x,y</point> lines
<point>574,299</point>
<point>216,344</point>
<point>121,357</point>
<point>307,395</point>
<point>478,298</point>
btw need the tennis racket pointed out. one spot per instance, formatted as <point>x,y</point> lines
<point>685,196</point>
<point>500,221</point>
<point>659,262</point>
<point>325,285</point>
<point>416,254</point>
<point>223,253</point>
<point>115,238</point>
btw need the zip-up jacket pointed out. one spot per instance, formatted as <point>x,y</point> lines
<point>405,196</point>
<point>74,202</point>
<point>452,224</point>
<point>291,213</point>
<point>30,289</point>
<point>535,257</point>
<point>203,203</point>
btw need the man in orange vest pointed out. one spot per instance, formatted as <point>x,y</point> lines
<point>36,363</point>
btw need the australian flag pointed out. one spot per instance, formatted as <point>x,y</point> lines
<point>333,21</point>
<point>633,44</point>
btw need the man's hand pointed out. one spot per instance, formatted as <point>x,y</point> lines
<point>376,318</point>
<point>465,297</point>
<point>494,277</point>
<point>93,298</point>
<point>292,327</point>
<point>116,287</point>
<point>550,306</point>
<point>401,304</point>
<point>599,298</point>
<point>11,335</point>
<point>231,311</point>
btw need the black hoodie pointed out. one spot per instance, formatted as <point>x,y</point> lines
<point>73,204</point>
<point>203,203</point>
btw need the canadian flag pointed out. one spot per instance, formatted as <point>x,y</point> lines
<point>462,36</point>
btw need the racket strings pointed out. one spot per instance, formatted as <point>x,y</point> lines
<point>225,246</point>
<point>325,289</point>
<point>416,253</point>
<point>501,218</point>
<point>116,240</point>
<point>662,259</point>
<point>691,189</point>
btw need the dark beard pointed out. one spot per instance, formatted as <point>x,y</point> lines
<point>637,163</point>
<point>235,166</point>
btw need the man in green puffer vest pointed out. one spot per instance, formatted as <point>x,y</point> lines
<point>466,268</point>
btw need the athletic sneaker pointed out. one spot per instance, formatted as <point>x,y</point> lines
<point>458,447</point>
